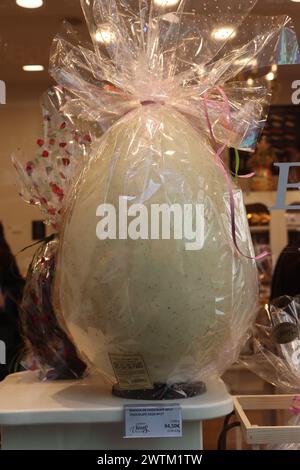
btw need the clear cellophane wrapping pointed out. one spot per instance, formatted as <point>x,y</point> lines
<point>45,181</point>
<point>162,82</point>
<point>274,352</point>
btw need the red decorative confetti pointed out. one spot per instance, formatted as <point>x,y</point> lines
<point>87,138</point>
<point>57,190</point>
<point>51,211</point>
<point>45,182</point>
<point>66,161</point>
<point>29,168</point>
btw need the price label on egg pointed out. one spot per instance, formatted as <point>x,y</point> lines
<point>130,371</point>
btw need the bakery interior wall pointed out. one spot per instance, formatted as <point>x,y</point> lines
<point>20,124</point>
<point>25,38</point>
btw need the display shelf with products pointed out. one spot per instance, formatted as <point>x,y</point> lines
<point>278,219</point>
<point>84,415</point>
<point>259,221</point>
<point>280,143</point>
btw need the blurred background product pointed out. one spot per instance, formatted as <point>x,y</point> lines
<point>45,181</point>
<point>11,289</point>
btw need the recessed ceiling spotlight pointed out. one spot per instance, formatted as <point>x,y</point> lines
<point>250,81</point>
<point>33,68</point>
<point>29,3</point>
<point>224,32</point>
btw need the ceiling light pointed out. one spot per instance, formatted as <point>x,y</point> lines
<point>29,3</point>
<point>33,68</point>
<point>166,3</point>
<point>225,32</point>
<point>104,34</point>
<point>270,76</point>
<point>250,81</point>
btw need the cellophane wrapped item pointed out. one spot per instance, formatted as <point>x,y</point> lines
<point>275,347</point>
<point>157,280</point>
<point>45,182</point>
<point>49,349</point>
<point>275,344</point>
<point>61,154</point>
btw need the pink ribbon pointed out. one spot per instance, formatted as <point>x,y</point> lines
<point>221,165</point>
<point>295,408</point>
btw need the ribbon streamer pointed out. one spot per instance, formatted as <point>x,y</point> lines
<point>219,161</point>
<point>295,408</point>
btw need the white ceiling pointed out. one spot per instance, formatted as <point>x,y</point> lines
<point>26,35</point>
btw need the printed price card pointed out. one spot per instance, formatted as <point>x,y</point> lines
<point>153,421</point>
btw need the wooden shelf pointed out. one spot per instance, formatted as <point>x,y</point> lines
<point>259,228</point>
<point>256,435</point>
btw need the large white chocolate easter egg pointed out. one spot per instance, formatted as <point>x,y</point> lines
<point>182,304</point>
